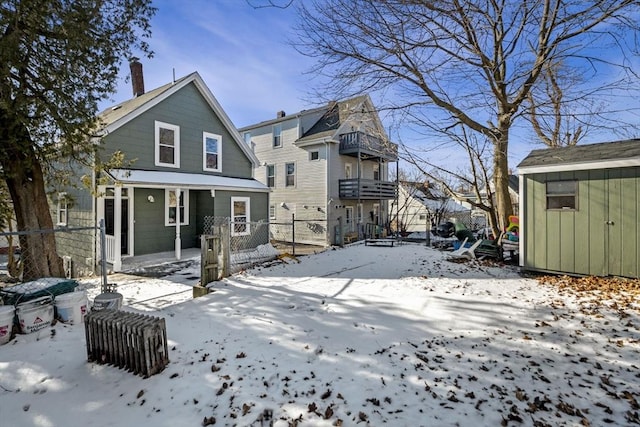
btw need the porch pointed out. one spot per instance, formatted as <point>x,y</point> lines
<point>144,262</point>
<point>366,189</point>
<point>365,146</point>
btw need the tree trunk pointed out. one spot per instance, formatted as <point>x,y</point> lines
<point>501,181</point>
<point>25,180</point>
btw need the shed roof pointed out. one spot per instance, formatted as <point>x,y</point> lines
<point>580,157</point>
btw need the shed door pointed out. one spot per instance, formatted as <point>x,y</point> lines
<point>622,245</point>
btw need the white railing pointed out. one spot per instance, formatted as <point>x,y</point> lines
<point>110,248</point>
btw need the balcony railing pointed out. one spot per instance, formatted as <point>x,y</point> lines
<point>367,146</point>
<point>366,189</point>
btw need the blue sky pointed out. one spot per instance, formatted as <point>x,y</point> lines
<point>240,51</point>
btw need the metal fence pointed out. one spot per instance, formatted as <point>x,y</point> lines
<point>293,234</point>
<point>77,246</point>
<point>243,244</point>
<point>474,223</point>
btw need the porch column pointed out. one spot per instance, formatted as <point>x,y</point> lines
<point>178,241</point>
<point>117,228</point>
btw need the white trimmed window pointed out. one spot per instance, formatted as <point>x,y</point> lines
<point>290,179</point>
<point>271,176</point>
<point>562,195</point>
<point>272,211</point>
<point>211,152</point>
<point>167,137</point>
<point>62,215</point>
<point>314,155</point>
<point>176,207</point>
<point>277,136</point>
<point>240,209</point>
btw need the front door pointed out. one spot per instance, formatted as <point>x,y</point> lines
<point>109,221</point>
<point>348,218</point>
<point>622,221</point>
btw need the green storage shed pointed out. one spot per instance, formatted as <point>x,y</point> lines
<point>579,209</point>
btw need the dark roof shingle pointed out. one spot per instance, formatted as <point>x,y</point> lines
<point>583,153</point>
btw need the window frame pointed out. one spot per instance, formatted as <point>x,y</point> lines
<point>277,136</point>
<point>287,175</point>
<point>376,213</point>
<point>348,218</point>
<point>272,183</point>
<point>376,171</point>
<point>62,208</point>
<point>317,153</point>
<point>235,230</point>
<point>348,171</point>
<point>561,195</point>
<point>176,144</point>
<point>209,135</point>
<point>272,211</point>
<point>184,197</point>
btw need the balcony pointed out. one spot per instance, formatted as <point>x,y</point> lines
<point>367,147</point>
<point>366,189</point>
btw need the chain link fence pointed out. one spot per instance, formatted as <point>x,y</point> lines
<point>76,247</point>
<point>475,223</point>
<point>298,234</point>
<point>243,244</point>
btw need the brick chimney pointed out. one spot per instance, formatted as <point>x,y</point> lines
<point>137,78</point>
<point>280,114</point>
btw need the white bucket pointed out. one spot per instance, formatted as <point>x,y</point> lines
<point>35,314</point>
<point>108,301</point>
<point>72,306</point>
<point>6,323</point>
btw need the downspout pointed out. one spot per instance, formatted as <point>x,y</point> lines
<point>94,215</point>
<point>330,237</point>
<point>359,186</point>
<point>178,244</point>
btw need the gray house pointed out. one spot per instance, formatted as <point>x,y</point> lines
<point>580,209</point>
<point>189,162</point>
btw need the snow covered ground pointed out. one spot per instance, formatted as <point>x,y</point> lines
<point>362,335</point>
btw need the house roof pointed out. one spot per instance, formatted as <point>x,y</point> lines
<point>120,114</point>
<point>514,183</point>
<point>159,179</point>
<point>580,157</point>
<point>336,115</point>
<point>282,119</point>
<point>432,203</point>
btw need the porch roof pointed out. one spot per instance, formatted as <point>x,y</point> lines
<point>162,179</point>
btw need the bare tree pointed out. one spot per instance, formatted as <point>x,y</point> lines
<point>555,121</point>
<point>475,179</point>
<point>466,63</point>
<point>261,4</point>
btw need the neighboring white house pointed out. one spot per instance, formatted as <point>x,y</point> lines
<point>479,217</point>
<point>419,208</point>
<point>328,167</point>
